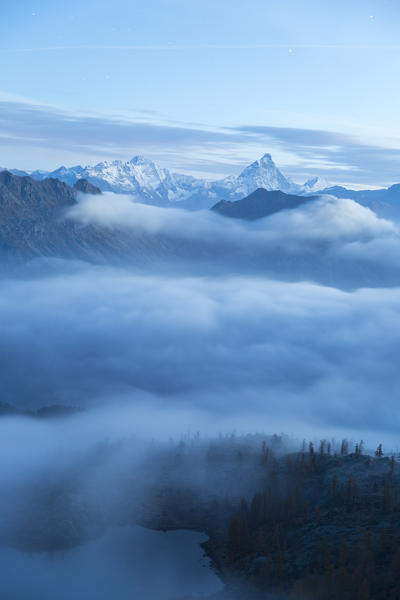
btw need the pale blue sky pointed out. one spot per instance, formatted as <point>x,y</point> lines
<point>204,86</point>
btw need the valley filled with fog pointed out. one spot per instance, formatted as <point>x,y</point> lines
<point>287,323</point>
<point>210,337</point>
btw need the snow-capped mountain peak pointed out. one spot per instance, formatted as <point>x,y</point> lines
<point>266,159</point>
<point>263,173</point>
<point>140,160</point>
<point>316,184</point>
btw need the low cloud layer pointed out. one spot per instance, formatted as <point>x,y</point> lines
<point>331,241</point>
<point>214,353</point>
<point>326,219</point>
<point>238,338</point>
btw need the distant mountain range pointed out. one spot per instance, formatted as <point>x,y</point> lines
<point>151,184</point>
<point>384,202</point>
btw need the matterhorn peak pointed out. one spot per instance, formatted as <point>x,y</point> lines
<point>262,173</point>
<point>266,159</point>
<point>140,160</point>
<point>265,162</point>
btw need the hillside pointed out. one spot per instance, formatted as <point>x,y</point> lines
<point>322,523</point>
<point>33,223</point>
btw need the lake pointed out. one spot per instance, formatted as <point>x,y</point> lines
<point>127,563</point>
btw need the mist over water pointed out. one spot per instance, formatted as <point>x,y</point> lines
<point>120,564</point>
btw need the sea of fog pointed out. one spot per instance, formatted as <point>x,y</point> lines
<point>290,324</point>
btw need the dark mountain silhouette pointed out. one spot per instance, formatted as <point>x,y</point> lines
<point>259,204</point>
<point>83,185</point>
<point>34,223</point>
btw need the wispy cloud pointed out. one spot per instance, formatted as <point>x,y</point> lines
<point>32,133</point>
<point>333,151</point>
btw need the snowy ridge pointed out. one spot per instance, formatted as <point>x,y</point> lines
<point>152,184</point>
<point>316,184</point>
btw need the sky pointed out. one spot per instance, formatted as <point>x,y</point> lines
<point>204,87</point>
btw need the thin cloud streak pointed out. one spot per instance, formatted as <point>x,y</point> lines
<point>164,47</point>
